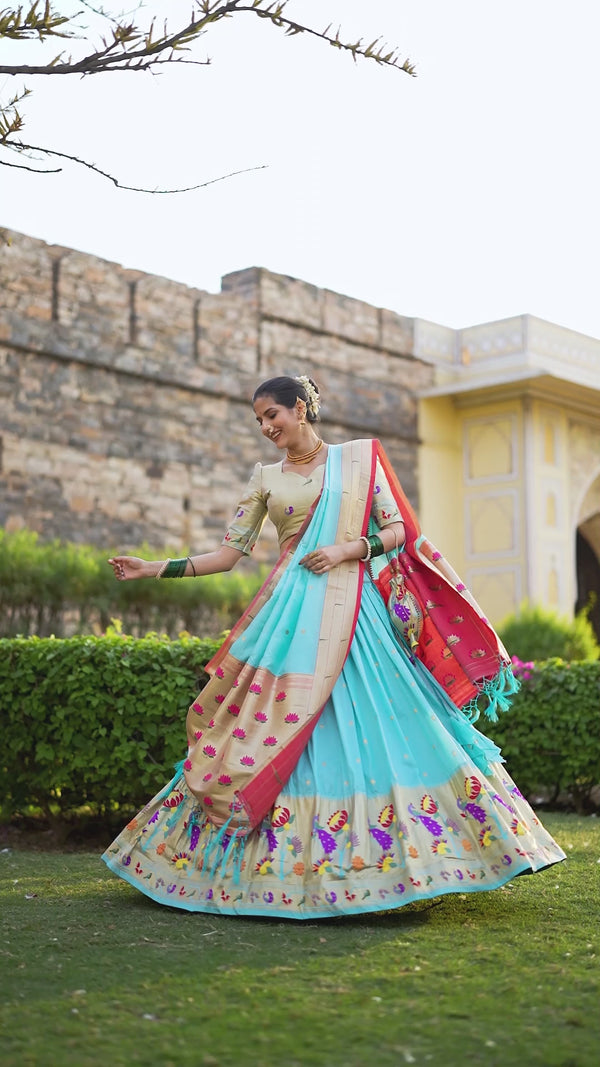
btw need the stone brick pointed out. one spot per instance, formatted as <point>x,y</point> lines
<point>124,397</point>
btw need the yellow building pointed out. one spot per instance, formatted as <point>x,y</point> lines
<point>509,466</point>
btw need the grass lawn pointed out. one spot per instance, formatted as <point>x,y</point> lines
<point>93,973</point>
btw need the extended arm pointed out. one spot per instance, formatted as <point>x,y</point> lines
<point>223,559</point>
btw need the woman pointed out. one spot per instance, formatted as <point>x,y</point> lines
<point>332,763</point>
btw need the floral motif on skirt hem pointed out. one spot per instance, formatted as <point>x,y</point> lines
<point>318,858</point>
<point>396,798</point>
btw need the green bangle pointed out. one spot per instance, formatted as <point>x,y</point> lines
<point>376,544</point>
<point>175,568</point>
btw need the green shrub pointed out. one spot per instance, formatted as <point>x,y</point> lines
<point>537,633</point>
<point>94,721</point>
<point>550,738</point>
<point>98,723</point>
<point>57,588</point>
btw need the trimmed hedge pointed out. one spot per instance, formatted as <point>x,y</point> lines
<point>98,722</point>
<point>538,633</point>
<point>94,721</point>
<point>57,588</point>
<point>550,738</point>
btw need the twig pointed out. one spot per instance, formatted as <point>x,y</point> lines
<point>19,147</point>
<point>34,170</point>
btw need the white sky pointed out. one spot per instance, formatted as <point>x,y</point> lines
<point>467,194</point>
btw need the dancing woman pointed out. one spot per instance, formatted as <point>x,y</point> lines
<point>332,765</point>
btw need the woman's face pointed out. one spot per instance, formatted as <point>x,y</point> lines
<point>279,424</point>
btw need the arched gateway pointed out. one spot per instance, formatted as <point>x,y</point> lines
<point>587,553</point>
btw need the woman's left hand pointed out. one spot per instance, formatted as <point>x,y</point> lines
<point>323,559</point>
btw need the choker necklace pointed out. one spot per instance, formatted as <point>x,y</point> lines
<point>306,458</point>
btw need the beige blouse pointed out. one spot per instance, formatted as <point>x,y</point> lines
<point>286,497</point>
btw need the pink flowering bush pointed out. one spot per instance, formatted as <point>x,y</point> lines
<point>522,671</point>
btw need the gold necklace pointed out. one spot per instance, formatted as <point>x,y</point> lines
<point>306,458</point>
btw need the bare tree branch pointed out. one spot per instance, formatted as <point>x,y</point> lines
<point>130,47</point>
<point>34,170</point>
<point>20,147</point>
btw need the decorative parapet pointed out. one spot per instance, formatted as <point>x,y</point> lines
<point>508,350</point>
<point>434,343</point>
<point>551,345</point>
<point>492,340</point>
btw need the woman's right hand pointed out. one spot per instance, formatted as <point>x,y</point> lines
<point>127,567</point>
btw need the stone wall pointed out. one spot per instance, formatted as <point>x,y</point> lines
<point>124,411</point>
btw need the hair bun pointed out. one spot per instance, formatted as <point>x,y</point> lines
<point>313,401</point>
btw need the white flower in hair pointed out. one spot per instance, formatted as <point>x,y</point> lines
<point>313,400</point>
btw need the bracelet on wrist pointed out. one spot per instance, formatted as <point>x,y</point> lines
<point>173,568</point>
<point>365,559</point>
<point>376,545</point>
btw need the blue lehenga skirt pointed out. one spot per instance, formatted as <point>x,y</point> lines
<point>396,798</point>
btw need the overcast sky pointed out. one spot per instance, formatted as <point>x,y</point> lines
<point>467,194</point>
